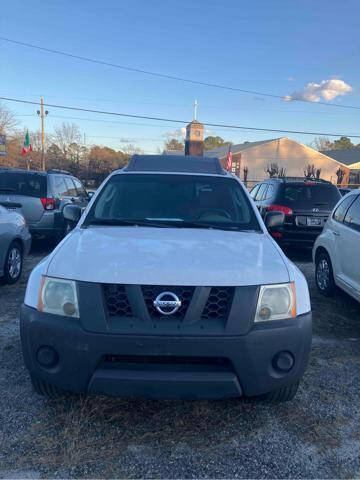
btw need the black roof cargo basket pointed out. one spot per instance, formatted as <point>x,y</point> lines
<point>175,163</point>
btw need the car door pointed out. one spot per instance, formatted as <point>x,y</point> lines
<point>348,241</point>
<point>260,196</point>
<point>71,193</point>
<point>82,195</point>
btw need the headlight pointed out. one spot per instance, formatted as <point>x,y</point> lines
<point>276,302</point>
<point>58,296</point>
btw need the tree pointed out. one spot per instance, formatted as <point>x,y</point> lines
<point>322,143</point>
<point>246,173</point>
<point>309,172</point>
<point>343,143</point>
<point>174,145</point>
<point>65,135</point>
<point>273,170</point>
<point>8,120</point>
<point>101,161</point>
<point>214,142</point>
<point>340,173</point>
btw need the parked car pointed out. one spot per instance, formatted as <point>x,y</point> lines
<point>40,197</point>
<point>306,205</point>
<point>169,286</point>
<point>15,243</point>
<point>344,191</point>
<point>336,250</point>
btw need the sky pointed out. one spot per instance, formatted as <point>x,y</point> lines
<point>295,49</point>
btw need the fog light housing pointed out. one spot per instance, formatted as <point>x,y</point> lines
<point>283,361</point>
<point>47,356</point>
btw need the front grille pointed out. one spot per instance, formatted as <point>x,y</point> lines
<point>117,301</point>
<point>150,293</point>
<point>217,306</point>
<point>219,303</point>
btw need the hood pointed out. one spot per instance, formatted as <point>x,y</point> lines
<point>168,256</point>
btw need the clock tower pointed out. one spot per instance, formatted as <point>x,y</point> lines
<point>194,142</point>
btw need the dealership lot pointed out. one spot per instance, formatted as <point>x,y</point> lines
<point>316,435</point>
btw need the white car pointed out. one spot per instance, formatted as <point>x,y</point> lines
<point>15,243</point>
<point>169,286</point>
<point>336,251</point>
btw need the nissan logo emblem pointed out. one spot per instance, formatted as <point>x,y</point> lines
<point>167,303</point>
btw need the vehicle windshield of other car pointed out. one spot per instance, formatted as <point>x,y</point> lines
<point>175,200</point>
<point>23,184</point>
<point>310,196</point>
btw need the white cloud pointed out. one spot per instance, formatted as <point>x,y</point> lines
<point>290,79</point>
<point>327,90</point>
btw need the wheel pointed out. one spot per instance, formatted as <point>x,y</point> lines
<point>324,276</point>
<point>47,390</point>
<point>282,394</point>
<point>13,263</point>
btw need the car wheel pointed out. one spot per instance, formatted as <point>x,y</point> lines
<point>47,390</point>
<point>282,394</point>
<point>324,276</point>
<point>13,263</point>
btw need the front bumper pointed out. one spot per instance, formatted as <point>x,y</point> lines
<point>164,366</point>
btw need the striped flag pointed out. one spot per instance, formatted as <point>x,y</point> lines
<point>27,148</point>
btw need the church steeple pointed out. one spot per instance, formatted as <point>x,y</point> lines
<point>194,142</point>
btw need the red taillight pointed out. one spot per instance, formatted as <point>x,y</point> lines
<point>48,203</point>
<point>276,234</point>
<point>280,208</point>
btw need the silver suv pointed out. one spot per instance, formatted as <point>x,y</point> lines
<point>40,197</point>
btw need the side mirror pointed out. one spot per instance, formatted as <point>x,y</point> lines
<point>274,220</point>
<point>72,213</point>
<point>90,195</point>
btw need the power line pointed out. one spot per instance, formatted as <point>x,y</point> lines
<point>183,122</point>
<point>169,77</point>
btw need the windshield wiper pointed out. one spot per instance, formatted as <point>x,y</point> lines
<point>125,223</point>
<point>210,226</point>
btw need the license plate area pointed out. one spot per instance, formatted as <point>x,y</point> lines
<point>313,222</point>
<point>302,221</point>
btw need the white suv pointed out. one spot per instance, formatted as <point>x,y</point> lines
<point>336,251</point>
<point>169,286</point>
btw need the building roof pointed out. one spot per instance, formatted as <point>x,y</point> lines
<point>222,151</point>
<point>347,156</point>
<point>175,163</point>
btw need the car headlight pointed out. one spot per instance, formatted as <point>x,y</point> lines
<point>58,296</point>
<point>276,302</point>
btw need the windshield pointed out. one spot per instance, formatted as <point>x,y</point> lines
<point>310,196</point>
<point>176,200</point>
<point>17,183</point>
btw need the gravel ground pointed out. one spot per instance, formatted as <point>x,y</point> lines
<point>315,436</point>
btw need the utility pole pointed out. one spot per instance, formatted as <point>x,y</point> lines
<point>42,115</point>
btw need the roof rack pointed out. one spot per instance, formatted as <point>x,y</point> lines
<point>303,179</point>
<point>57,170</point>
<point>175,163</point>
<point>21,170</point>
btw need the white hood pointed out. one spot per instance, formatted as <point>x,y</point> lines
<point>168,256</point>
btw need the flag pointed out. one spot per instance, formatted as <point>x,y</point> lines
<point>229,160</point>
<point>27,148</point>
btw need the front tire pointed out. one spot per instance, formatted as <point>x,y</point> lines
<point>282,394</point>
<point>324,275</point>
<point>13,263</point>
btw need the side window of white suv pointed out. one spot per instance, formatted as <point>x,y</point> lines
<point>340,212</point>
<point>352,218</point>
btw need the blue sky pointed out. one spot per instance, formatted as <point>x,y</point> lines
<point>266,45</point>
